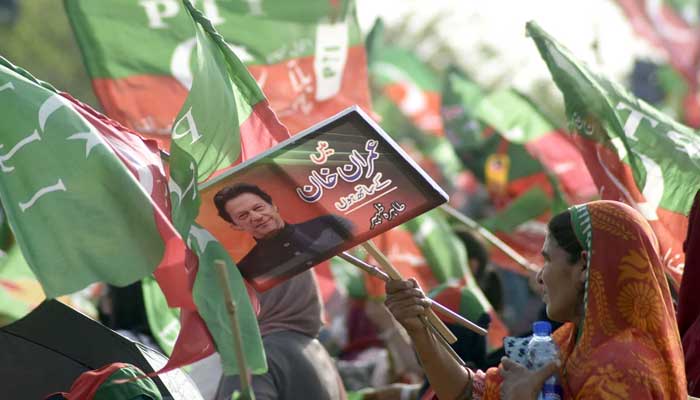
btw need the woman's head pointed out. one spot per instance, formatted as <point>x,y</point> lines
<point>564,272</point>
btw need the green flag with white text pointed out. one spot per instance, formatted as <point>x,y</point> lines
<point>635,153</point>
<point>208,135</point>
<point>307,56</point>
<point>78,190</point>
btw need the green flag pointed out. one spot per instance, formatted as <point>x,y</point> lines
<point>69,187</point>
<point>308,57</point>
<point>509,144</point>
<point>634,153</point>
<point>447,257</point>
<point>406,94</point>
<point>163,321</point>
<point>218,106</point>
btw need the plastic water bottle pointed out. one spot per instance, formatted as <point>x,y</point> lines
<point>540,351</point>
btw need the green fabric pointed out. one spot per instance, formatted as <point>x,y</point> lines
<point>121,38</point>
<point>441,248</point>
<point>511,120</point>
<point>70,201</point>
<point>163,321</point>
<point>390,64</point>
<point>675,88</point>
<point>447,257</point>
<point>135,386</point>
<point>534,202</point>
<point>355,396</point>
<point>514,116</point>
<point>663,155</point>
<point>217,59</point>
<point>222,96</point>
<point>436,148</point>
<point>6,237</point>
<point>472,304</point>
<point>348,277</point>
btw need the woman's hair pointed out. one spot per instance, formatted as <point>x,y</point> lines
<point>562,231</point>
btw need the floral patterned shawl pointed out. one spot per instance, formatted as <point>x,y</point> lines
<point>629,347</point>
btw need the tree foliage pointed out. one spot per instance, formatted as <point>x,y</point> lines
<point>42,42</point>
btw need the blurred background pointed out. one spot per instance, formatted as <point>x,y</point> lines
<point>486,39</point>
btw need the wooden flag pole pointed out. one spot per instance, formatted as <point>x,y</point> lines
<point>246,390</point>
<point>374,271</point>
<point>394,274</point>
<point>473,225</point>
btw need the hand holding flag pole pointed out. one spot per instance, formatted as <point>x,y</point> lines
<point>393,273</point>
<point>378,273</point>
<point>493,239</point>
<point>246,392</point>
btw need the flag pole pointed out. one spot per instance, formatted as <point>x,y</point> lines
<point>376,272</point>
<point>384,262</point>
<point>246,392</point>
<point>443,335</point>
<point>493,239</point>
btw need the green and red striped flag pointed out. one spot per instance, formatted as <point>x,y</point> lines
<point>405,79</point>
<point>74,186</point>
<point>670,25</point>
<point>407,98</point>
<point>223,110</point>
<point>163,321</point>
<point>406,95</point>
<point>518,186</point>
<point>634,153</point>
<point>674,27</point>
<point>308,58</point>
<point>510,144</point>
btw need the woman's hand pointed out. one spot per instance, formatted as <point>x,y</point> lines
<point>407,303</point>
<point>521,384</point>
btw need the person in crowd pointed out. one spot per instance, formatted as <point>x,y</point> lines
<point>299,367</point>
<point>604,279</point>
<point>122,309</point>
<point>689,303</point>
<point>484,273</point>
<point>282,249</point>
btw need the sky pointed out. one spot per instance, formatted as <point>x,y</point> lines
<point>468,25</point>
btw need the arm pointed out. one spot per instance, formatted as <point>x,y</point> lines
<point>395,339</point>
<point>447,377</point>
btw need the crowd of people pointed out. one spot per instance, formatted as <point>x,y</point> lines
<point>602,286</point>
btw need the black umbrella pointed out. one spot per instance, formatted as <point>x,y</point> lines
<point>45,351</point>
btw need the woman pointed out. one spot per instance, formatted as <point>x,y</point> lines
<point>603,277</point>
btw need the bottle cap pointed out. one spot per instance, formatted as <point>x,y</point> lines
<point>542,328</point>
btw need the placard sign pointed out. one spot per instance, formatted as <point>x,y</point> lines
<point>313,196</point>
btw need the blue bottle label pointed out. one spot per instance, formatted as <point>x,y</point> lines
<point>551,391</point>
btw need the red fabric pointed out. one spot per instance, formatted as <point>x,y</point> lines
<point>86,385</point>
<point>689,301</point>
<point>617,177</point>
<point>259,132</point>
<point>664,28</point>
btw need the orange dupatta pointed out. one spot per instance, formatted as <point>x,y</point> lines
<point>629,347</point>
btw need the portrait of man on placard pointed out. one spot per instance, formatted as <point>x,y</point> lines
<point>312,197</point>
<point>281,248</point>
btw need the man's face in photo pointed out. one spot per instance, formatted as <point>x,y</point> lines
<point>254,215</point>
